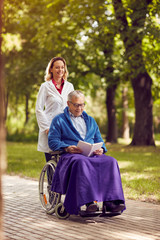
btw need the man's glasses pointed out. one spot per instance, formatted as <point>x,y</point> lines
<point>76,105</point>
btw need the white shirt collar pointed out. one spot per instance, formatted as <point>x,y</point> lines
<point>71,114</point>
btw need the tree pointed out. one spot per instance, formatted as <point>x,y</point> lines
<point>132,35</point>
<point>94,20</point>
<point>24,65</point>
<point>90,20</point>
<point>125,122</point>
<point>2,129</point>
<point>87,34</point>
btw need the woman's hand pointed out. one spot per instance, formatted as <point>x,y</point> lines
<point>47,131</point>
<point>73,149</point>
<point>98,152</point>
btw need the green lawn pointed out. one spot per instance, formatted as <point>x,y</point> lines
<point>139,167</point>
<point>140,171</point>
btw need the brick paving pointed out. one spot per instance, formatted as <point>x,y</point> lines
<point>24,218</point>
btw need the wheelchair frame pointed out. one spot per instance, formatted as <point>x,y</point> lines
<point>52,202</point>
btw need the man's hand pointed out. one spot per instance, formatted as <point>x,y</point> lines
<point>98,152</point>
<point>73,149</point>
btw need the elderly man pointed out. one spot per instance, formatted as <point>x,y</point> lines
<point>83,179</point>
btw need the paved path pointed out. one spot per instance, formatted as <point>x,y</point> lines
<point>24,218</point>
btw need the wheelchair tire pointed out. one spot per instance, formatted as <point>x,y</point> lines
<point>61,212</point>
<point>48,199</point>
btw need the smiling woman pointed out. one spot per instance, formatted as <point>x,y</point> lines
<point>52,99</point>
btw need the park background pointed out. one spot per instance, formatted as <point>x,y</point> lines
<point>112,52</point>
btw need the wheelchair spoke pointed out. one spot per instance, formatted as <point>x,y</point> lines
<point>47,197</point>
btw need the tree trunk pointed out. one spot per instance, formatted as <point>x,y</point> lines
<point>2,129</point>
<point>141,81</point>
<point>125,122</point>
<point>6,105</point>
<point>27,108</point>
<point>111,112</point>
<point>143,129</point>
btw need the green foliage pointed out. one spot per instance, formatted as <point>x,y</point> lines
<point>22,137</point>
<point>18,131</point>
<point>86,34</point>
<point>95,106</point>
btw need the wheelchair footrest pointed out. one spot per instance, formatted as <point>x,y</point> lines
<point>83,213</point>
<point>110,214</point>
<point>98,213</point>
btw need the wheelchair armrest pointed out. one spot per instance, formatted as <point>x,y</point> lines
<point>56,152</point>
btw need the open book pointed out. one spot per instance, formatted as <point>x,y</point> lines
<point>88,148</point>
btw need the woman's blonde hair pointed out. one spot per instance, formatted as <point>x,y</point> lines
<point>49,75</point>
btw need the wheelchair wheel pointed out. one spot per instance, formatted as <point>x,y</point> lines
<point>48,199</point>
<point>61,212</point>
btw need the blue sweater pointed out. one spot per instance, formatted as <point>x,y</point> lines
<point>62,133</point>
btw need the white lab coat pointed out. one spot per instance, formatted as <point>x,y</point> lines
<point>49,104</point>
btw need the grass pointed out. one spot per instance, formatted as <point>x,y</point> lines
<point>24,159</point>
<point>139,167</point>
<point>140,171</point>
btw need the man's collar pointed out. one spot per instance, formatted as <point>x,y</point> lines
<point>74,116</point>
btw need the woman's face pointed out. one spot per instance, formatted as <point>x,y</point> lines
<point>58,69</point>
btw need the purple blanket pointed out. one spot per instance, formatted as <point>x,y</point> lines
<point>85,179</point>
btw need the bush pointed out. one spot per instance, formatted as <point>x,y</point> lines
<point>22,137</point>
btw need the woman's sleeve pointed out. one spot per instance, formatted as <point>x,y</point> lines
<point>72,88</point>
<point>40,113</point>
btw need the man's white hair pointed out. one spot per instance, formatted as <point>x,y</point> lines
<point>75,93</point>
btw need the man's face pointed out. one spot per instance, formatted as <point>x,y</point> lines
<point>76,105</point>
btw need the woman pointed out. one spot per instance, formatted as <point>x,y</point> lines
<point>51,100</point>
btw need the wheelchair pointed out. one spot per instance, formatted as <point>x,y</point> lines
<point>52,202</point>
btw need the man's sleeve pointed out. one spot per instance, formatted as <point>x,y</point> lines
<point>98,137</point>
<point>54,136</point>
